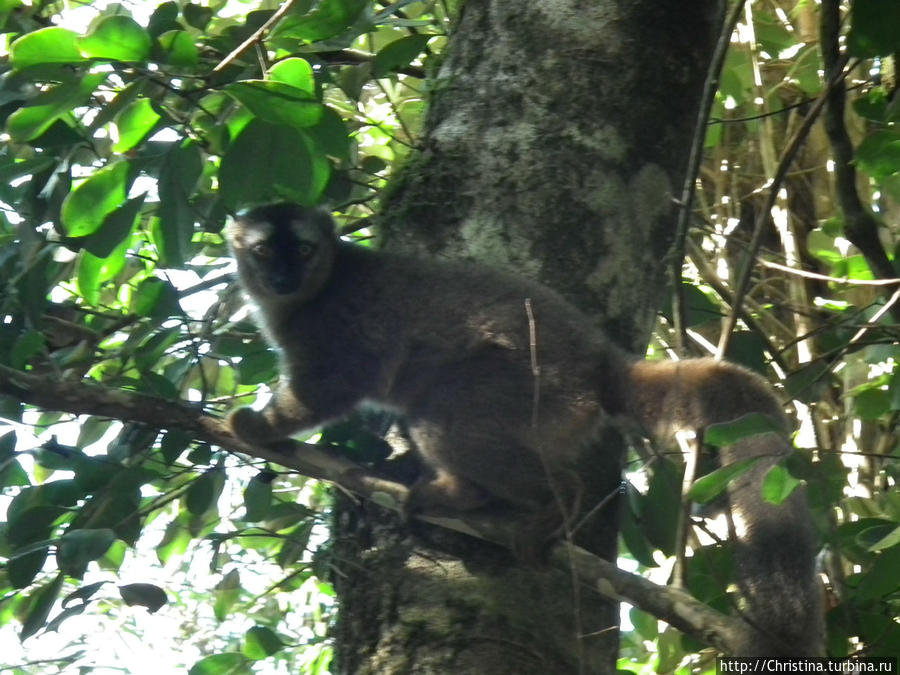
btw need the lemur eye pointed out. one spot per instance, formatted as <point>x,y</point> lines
<point>305,250</point>
<point>261,250</point>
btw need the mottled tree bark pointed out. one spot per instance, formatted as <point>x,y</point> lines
<point>558,133</point>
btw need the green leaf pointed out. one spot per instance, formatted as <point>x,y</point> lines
<point>258,496</point>
<point>41,602</point>
<point>22,569</point>
<point>150,596</point>
<point>155,298</point>
<point>196,15</point>
<point>879,154</point>
<point>178,176</point>
<point>93,272</point>
<point>84,593</point>
<point>889,540</point>
<point>203,492</point>
<point>46,45</point>
<point>399,53</point>
<point>729,433</point>
<point>871,403</point>
<point>330,135</point>
<point>86,207</point>
<point>778,484</point>
<point>173,444</point>
<point>882,579</point>
<point>28,345</point>
<point>261,642</point>
<point>30,121</point>
<point>296,72</point>
<point>179,48</point>
<point>134,123</point>
<point>330,18</point>
<point>268,162</point>
<point>226,594</point>
<point>115,228</point>
<point>79,547</point>
<point>257,367</point>
<point>227,663</point>
<point>277,102</point>
<point>711,485</point>
<point>119,38</point>
<point>874,28</point>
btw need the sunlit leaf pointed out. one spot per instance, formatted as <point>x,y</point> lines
<point>86,207</point>
<point>134,123</point>
<point>779,484</point>
<point>114,229</point>
<point>117,37</point>
<point>46,45</point>
<point>227,663</point>
<point>277,102</point>
<point>179,48</point>
<point>296,72</point>
<point>94,271</point>
<point>155,298</point>
<point>32,120</point>
<point>711,485</point>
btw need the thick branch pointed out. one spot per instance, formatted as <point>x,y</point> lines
<point>860,225</point>
<point>86,398</point>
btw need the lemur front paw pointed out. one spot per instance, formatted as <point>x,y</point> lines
<point>250,426</point>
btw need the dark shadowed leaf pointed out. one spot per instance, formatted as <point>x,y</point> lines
<point>399,53</point>
<point>261,642</point>
<point>79,547</point>
<point>728,433</point>
<point>329,18</point>
<point>41,602</point>
<point>268,162</point>
<point>150,596</point>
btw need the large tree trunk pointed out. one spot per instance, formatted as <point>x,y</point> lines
<point>557,136</point>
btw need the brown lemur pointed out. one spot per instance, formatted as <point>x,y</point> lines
<point>450,346</point>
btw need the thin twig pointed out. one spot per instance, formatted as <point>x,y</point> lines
<point>762,216</point>
<point>824,277</point>
<point>255,38</point>
<point>690,178</point>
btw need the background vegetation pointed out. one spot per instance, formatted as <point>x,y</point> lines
<point>132,130</point>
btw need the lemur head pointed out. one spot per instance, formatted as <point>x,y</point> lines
<point>283,251</point>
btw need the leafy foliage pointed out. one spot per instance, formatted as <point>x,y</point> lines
<point>130,140</point>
